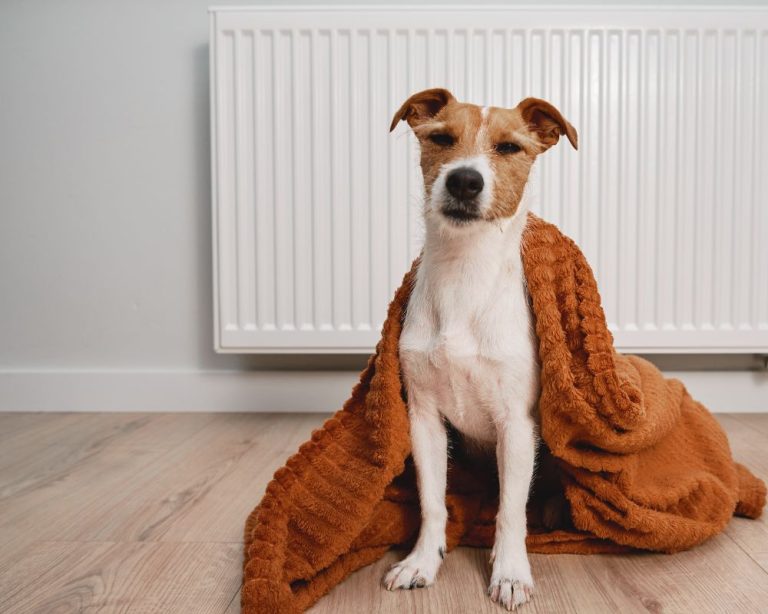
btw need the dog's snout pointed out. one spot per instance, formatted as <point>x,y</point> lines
<point>464,183</point>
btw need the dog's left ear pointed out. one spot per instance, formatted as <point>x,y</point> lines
<point>422,106</point>
<point>547,122</point>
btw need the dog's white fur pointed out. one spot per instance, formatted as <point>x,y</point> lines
<point>468,354</point>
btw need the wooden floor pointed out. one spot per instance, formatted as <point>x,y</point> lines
<point>144,513</point>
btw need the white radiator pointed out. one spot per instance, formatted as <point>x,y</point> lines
<point>316,207</point>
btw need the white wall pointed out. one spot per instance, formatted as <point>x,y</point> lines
<point>105,255</point>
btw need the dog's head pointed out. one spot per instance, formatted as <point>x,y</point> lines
<point>476,160</point>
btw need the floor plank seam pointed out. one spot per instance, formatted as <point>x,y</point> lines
<point>141,541</point>
<point>745,551</point>
<point>231,601</point>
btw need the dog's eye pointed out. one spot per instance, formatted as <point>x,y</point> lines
<point>508,148</point>
<point>444,140</point>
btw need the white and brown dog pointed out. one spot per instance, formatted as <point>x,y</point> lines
<point>468,348</point>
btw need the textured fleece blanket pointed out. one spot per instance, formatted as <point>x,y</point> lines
<point>641,464</point>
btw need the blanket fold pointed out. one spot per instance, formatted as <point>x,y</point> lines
<point>641,464</point>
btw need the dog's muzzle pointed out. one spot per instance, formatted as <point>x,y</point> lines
<point>463,184</point>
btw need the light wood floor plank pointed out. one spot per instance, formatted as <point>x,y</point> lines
<point>170,486</point>
<point>755,422</point>
<point>144,513</point>
<point>715,577</point>
<point>122,577</point>
<point>234,605</point>
<point>77,441</point>
<point>13,423</point>
<point>748,435</point>
<point>220,511</point>
<point>184,483</point>
<point>66,504</point>
<point>27,433</point>
<point>747,439</point>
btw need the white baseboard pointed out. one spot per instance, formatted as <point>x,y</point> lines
<point>727,391</point>
<point>176,391</point>
<point>276,391</point>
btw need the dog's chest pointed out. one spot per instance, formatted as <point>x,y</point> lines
<point>467,345</point>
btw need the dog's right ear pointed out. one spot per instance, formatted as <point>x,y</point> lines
<point>422,106</point>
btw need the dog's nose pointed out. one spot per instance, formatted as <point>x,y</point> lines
<point>464,183</point>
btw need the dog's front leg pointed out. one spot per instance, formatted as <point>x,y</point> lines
<point>429,443</point>
<point>511,580</point>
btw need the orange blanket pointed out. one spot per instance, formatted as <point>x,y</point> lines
<point>642,465</point>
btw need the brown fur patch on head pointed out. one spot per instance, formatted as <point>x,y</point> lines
<point>459,121</point>
<point>510,139</point>
<point>510,169</point>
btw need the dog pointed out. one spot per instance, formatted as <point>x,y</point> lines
<point>468,348</point>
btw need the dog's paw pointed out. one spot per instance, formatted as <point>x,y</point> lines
<point>509,593</point>
<point>417,570</point>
